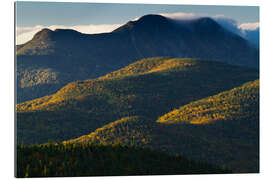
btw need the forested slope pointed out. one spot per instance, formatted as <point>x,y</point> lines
<point>81,107</point>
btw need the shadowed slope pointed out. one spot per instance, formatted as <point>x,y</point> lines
<point>221,129</point>
<point>69,55</point>
<point>82,107</point>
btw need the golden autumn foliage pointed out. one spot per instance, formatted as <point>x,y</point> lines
<point>184,73</point>
<point>213,127</point>
<point>163,84</point>
<point>130,130</point>
<point>123,108</point>
<point>151,65</point>
<point>224,106</point>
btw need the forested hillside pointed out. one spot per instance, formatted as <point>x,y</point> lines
<point>161,85</point>
<point>156,96</point>
<point>221,129</point>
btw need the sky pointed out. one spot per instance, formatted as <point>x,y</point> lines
<point>92,18</point>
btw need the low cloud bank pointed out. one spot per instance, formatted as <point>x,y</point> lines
<point>249,31</point>
<point>24,34</point>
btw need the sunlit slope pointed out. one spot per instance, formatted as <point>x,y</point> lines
<point>150,88</point>
<point>238,103</point>
<point>130,131</point>
<point>231,141</point>
<point>156,64</point>
<point>183,71</point>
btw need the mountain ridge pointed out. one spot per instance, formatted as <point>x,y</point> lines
<point>97,102</point>
<point>76,56</point>
<point>233,128</point>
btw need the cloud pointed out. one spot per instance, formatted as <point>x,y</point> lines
<point>179,15</point>
<point>175,16</point>
<point>24,34</point>
<point>229,24</point>
<point>249,26</point>
<point>249,31</point>
<point>220,18</point>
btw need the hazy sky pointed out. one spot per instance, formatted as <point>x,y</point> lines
<point>98,17</point>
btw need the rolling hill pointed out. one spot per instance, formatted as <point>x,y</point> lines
<point>150,88</point>
<point>54,58</point>
<point>222,129</point>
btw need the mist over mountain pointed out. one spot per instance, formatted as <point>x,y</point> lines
<point>252,35</point>
<point>54,58</point>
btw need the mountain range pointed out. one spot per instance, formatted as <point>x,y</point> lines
<point>54,58</point>
<point>222,129</point>
<point>134,105</point>
<point>185,90</point>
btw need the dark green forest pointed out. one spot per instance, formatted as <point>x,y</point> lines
<point>58,160</point>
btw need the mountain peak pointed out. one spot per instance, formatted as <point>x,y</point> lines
<point>66,31</point>
<point>45,30</point>
<point>44,33</point>
<point>145,22</point>
<point>152,18</point>
<point>58,34</point>
<point>206,20</point>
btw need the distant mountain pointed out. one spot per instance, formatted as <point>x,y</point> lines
<point>222,129</point>
<point>54,58</point>
<point>150,87</point>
